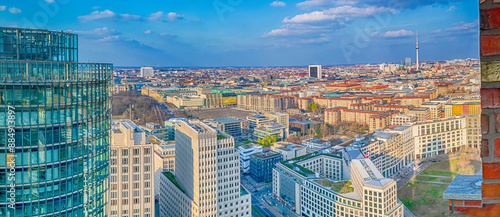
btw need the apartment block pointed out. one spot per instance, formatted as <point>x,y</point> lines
<point>422,113</point>
<point>401,119</point>
<point>435,109</point>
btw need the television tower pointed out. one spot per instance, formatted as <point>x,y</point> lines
<point>417,51</point>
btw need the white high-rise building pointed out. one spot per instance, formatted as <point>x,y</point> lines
<point>147,72</point>
<point>207,176</point>
<point>131,190</point>
<point>315,71</point>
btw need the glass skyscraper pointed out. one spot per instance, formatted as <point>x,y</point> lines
<point>54,126</point>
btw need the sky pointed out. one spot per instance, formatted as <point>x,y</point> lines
<point>219,33</point>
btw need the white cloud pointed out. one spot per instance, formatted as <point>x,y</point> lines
<point>15,10</point>
<point>278,4</point>
<point>324,3</point>
<point>156,16</point>
<point>49,1</point>
<point>114,38</point>
<point>462,26</point>
<point>148,32</point>
<point>393,34</point>
<point>172,16</point>
<point>451,8</point>
<point>109,15</point>
<point>96,15</point>
<point>2,8</point>
<point>342,14</point>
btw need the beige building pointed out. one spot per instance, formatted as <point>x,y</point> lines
<point>439,136</point>
<point>282,118</point>
<point>266,102</point>
<point>422,113</point>
<point>213,100</point>
<point>402,119</point>
<point>131,178</point>
<point>367,193</point>
<point>435,108</point>
<point>206,181</point>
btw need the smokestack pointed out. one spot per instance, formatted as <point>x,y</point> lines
<point>417,52</point>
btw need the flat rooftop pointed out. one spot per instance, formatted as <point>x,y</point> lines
<point>369,173</point>
<point>227,120</point>
<point>267,154</point>
<point>464,187</point>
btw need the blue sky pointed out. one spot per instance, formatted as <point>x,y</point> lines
<point>255,33</point>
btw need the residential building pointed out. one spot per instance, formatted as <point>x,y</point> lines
<point>62,126</point>
<point>206,181</point>
<point>422,113</point>
<point>473,131</point>
<point>265,102</point>
<point>401,119</point>
<point>262,164</point>
<point>131,171</point>
<point>245,152</point>
<point>455,108</point>
<point>435,108</point>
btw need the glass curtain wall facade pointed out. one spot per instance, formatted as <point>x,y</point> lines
<point>54,126</point>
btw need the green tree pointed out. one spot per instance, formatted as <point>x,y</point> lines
<point>312,107</point>
<point>317,132</point>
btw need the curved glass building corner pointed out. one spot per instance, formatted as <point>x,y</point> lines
<point>54,126</point>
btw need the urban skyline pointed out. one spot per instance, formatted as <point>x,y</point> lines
<point>244,33</point>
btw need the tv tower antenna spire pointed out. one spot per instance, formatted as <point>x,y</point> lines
<point>417,52</point>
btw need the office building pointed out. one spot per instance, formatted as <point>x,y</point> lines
<point>131,180</point>
<point>147,72</point>
<point>233,126</point>
<point>282,118</point>
<point>439,136</point>
<point>315,71</point>
<point>422,113</point>
<point>289,150</point>
<point>245,152</point>
<point>262,164</point>
<point>273,129</point>
<point>58,148</point>
<point>365,193</point>
<point>206,181</point>
<point>154,129</point>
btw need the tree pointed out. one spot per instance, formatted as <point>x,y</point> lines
<point>317,132</point>
<point>312,107</point>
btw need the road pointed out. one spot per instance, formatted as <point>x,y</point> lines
<point>264,200</point>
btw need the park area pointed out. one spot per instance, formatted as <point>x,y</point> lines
<point>423,195</point>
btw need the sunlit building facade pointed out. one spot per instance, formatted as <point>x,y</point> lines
<point>54,126</point>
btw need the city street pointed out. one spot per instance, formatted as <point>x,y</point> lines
<point>264,200</point>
